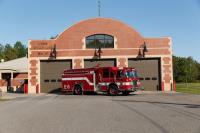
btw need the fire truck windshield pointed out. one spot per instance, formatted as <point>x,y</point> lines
<point>131,74</point>
<point>128,74</point>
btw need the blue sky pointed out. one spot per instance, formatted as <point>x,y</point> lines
<point>21,20</point>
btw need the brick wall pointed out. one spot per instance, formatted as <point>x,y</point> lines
<point>3,83</point>
<point>70,44</point>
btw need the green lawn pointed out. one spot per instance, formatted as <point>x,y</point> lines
<point>193,88</point>
<point>2,99</point>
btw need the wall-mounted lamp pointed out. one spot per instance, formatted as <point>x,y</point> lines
<point>144,49</point>
<point>97,53</point>
<point>53,53</point>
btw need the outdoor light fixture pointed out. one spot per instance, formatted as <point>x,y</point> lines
<point>144,49</point>
<point>97,53</point>
<point>140,54</point>
<point>53,53</point>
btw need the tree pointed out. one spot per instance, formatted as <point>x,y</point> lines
<point>180,69</point>
<point>198,67</point>
<point>20,49</point>
<point>185,69</point>
<point>9,53</point>
<point>192,69</point>
<point>1,51</point>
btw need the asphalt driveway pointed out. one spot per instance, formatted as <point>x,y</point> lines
<point>139,113</point>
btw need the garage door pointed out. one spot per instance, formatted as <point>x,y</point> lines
<point>102,63</point>
<point>50,74</point>
<point>149,72</point>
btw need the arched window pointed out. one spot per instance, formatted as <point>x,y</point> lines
<point>100,40</point>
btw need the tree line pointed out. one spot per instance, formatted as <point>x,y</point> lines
<point>12,51</point>
<point>185,69</point>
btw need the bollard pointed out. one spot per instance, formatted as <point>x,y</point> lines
<point>174,86</point>
<point>163,86</point>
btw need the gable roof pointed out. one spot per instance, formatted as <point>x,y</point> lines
<point>16,65</point>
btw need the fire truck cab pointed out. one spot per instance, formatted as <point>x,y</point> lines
<point>111,80</point>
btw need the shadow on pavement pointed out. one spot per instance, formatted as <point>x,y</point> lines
<point>164,103</point>
<point>59,92</point>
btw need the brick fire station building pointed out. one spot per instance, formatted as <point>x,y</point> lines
<point>104,42</point>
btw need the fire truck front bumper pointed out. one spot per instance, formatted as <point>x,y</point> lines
<point>129,88</point>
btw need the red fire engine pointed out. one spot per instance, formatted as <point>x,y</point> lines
<point>111,80</point>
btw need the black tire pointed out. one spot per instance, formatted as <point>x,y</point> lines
<point>125,93</point>
<point>113,90</point>
<point>77,90</point>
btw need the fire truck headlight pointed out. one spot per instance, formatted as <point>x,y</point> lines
<point>138,83</point>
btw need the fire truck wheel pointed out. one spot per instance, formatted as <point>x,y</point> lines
<point>113,91</point>
<point>77,90</point>
<point>125,93</point>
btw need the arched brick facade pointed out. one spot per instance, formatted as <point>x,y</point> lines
<point>70,44</point>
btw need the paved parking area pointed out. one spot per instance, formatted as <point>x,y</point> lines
<point>139,113</point>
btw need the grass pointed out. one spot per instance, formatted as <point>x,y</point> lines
<point>3,99</point>
<point>192,88</point>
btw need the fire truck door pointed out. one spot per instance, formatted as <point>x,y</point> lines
<point>105,77</point>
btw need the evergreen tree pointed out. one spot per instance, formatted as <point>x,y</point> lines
<point>9,53</point>
<point>186,69</point>
<point>1,51</point>
<point>20,49</point>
